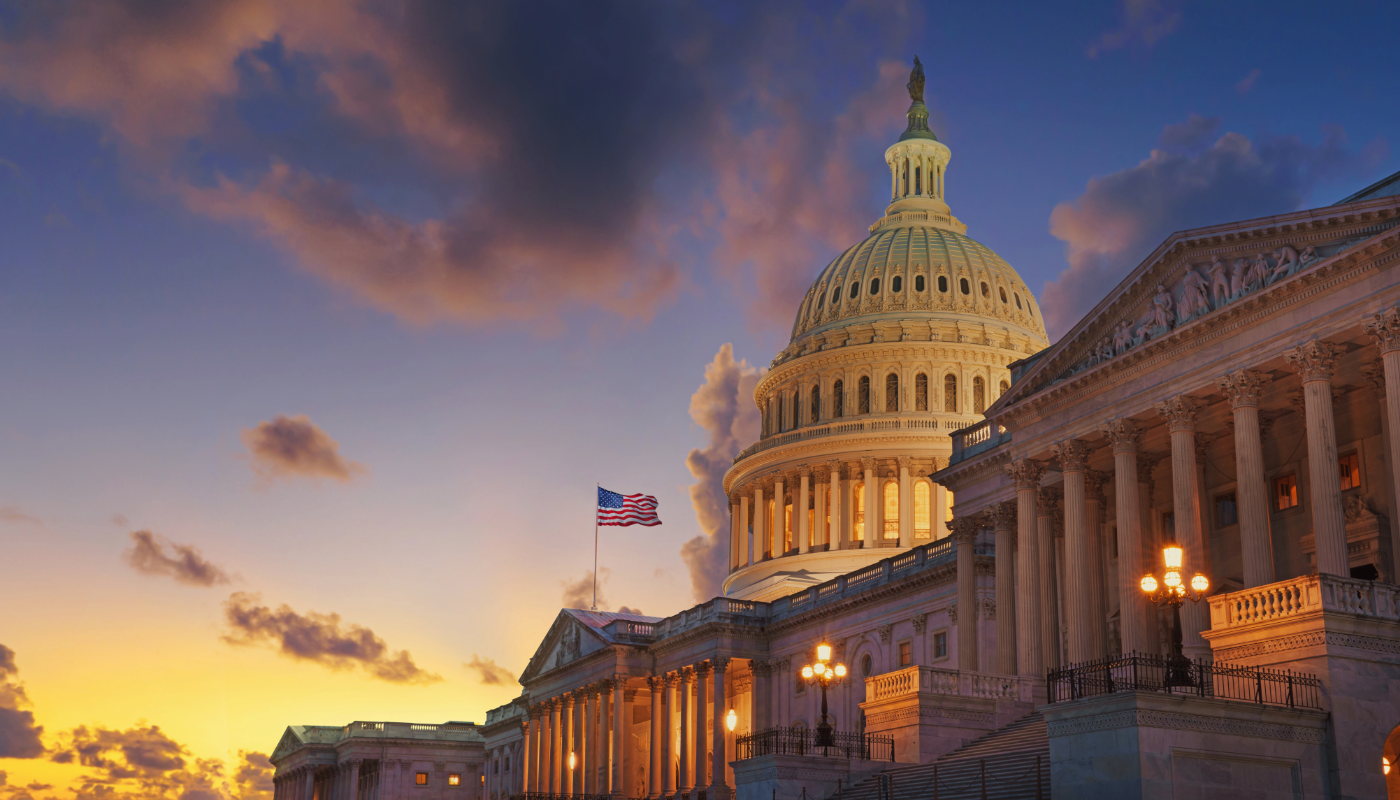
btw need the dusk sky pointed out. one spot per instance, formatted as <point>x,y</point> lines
<point>320,321</point>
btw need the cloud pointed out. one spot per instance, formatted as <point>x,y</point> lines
<point>120,520</point>
<point>292,447</point>
<point>19,736</point>
<point>1121,217</point>
<point>579,593</point>
<point>18,516</point>
<point>488,672</point>
<point>1247,82</point>
<point>155,555</point>
<point>318,638</point>
<point>1196,132</point>
<point>1145,22</point>
<point>723,406</point>
<point>253,777</point>
<point>139,763</point>
<point>35,786</point>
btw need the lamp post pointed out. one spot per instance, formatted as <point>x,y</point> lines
<point>1172,591</point>
<point>825,674</point>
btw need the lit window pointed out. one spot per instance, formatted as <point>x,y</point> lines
<point>892,510</point>
<point>1351,471</point>
<point>768,523</point>
<point>940,645</point>
<point>906,654</point>
<point>922,508</point>
<point>838,399</point>
<point>811,525</point>
<point>950,393</point>
<point>948,509</point>
<point>454,779</point>
<point>421,779</point>
<point>863,395</point>
<point>787,527</point>
<point>858,506</point>
<point>979,395</point>
<point>1226,510</point>
<point>891,392</point>
<point>1285,492</point>
<point>921,392</point>
<point>816,395</point>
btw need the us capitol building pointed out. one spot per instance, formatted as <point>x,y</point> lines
<point>1156,558</point>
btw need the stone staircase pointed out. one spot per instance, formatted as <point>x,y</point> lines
<point>1008,756</point>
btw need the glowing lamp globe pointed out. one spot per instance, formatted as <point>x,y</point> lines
<point>1199,583</point>
<point>1149,584</point>
<point>823,652</point>
<point>840,670</point>
<point>1172,579</point>
<point>807,672</point>
<point>1172,557</point>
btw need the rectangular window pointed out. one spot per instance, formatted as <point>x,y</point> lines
<point>787,527</point>
<point>421,779</point>
<point>858,506</point>
<point>507,763</point>
<point>940,645</point>
<point>1350,466</point>
<point>811,526</point>
<point>906,654</point>
<point>1285,492</point>
<point>454,779</point>
<point>1226,511</point>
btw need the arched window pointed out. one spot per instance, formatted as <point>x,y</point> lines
<point>896,283</point>
<point>863,395</point>
<point>771,535</point>
<point>838,400</point>
<point>979,395</point>
<point>1018,299</point>
<point>891,392</point>
<point>948,507</point>
<point>917,185</point>
<point>836,295</point>
<point>943,283</point>
<point>858,511</point>
<point>964,286</point>
<point>865,666</point>
<point>923,509</point>
<point>1004,387</point>
<point>787,527</point>
<point>986,292</point>
<point>1003,294</point>
<point>821,298</point>
<point>918,283</point>
<point>816,403</point>
<point>874,285</point>
<point>921,392</point>
<point>855,290</point>
<point>767,417</point>
<point>796,408</point>
<point>950,393</point>
<point>891,516</point>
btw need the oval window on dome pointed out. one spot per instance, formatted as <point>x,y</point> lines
<point>896,283</point>
<point>964,285</point>
<point>918,283</point>
<point>835,296</point>
<point>855,290</point>
<point>1018,299</point>
<point>821,298</point>
<point>874,285</point>
<point>1003,295</point>
<point>943,283</point>
<point>986,292</point>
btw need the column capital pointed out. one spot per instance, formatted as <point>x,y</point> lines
<point>1094,481</point>
<point>684,674</point>
<point>1315,360</point>
<point>702,670</point>
<point>1145,467</point>
<point>720,663</point>
<point>1384,329</point>
<point>656,682</point>
<point>905,462</point>
<point>1003,515</point>
<point>867,464</point>
<point>1073,454</point>
<point>1179,412</point>
<point>1048,504</point>
<point>1026,473</point>
<point>965,529</point>
<point>760,667</point>
<point>567,700</point>
<point>1374,373</point>
<point>1243,387</point>
<point>354,763</point>
<point>619,680</point>
<point>920,621</point>
<point>1125,435</point>
<point>804,471</point>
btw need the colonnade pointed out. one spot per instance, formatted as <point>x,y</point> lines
<point>352,779</point>
<point>918,174</point>
<point>1025,563</point>
<point>592,724</point>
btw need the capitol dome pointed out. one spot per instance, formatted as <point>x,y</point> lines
<point>901,340</point>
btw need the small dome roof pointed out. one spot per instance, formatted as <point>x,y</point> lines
<point>994,291</point>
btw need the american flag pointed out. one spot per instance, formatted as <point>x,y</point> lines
<point>626,509</point>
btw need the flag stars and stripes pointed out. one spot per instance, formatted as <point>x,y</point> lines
<point>615,508</point>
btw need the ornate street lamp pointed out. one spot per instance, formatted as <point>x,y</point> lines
<point>827,675</point>
<point>1172,591</point>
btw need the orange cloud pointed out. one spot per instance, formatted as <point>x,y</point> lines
<point>488,672</point>
<point>19,736</point>
<point>156,555</point>
<point>291,447</point>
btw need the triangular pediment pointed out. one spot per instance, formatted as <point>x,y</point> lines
<point>289,742</point>
<point>568,639</point>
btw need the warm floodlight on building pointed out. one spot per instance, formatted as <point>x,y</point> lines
<point>731,720</point>
<point>573,760</point>
<point>823,652</point>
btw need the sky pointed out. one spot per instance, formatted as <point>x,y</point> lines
<point>321,321</point>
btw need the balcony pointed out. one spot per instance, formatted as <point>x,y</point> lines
<point>939,424</point>
<point>985,435</point>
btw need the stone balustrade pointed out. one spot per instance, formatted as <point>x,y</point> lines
<point>932,680</point>
<point>867,423</point>
<point>974,439</point>
<point>1309,594</point>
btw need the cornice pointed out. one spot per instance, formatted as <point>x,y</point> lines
<point>872,352</point>
<point>938,444</point>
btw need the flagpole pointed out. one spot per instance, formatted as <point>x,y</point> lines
<point>595,548</point>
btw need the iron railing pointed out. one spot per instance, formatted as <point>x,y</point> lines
<point>1147,672</point>
<point>803,742</point>
<point>547,796</point>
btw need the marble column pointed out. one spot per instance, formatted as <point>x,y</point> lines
<point>776,545</point>
<point>310,783</point>
<point>1243,388</point>
<point>702,674</point>
<point>1074,459</point>
<point>1004,524</point>
<point>568,746</point>
<point>758,704</point>
<point>1316,361</point>
<point>799,507</point>
<point>668,754</point>
<point>588,742</point>
<point>618,773</point>
<point>872,536</point>
<point>1026,474</point>
<point>733,534</point>
<point>1151,548</point>
<point>556,747</point>
<point>1384,330</point>
<point>833,499</point>
<point>1098,561</point>
<point>532,770</point>
<point>719,788</point>
<point>1047,508</point>
<point>352,786</point>
<point>819,509</point>
<point>760,541</point>
<point>906,504</point>
<point>687,757</point>
<point>1180,413</point>
<point>656,684</point>
<point>964,538</point>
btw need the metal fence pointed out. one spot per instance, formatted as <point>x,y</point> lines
<point>803,742</point>
<point>1155,673</point>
